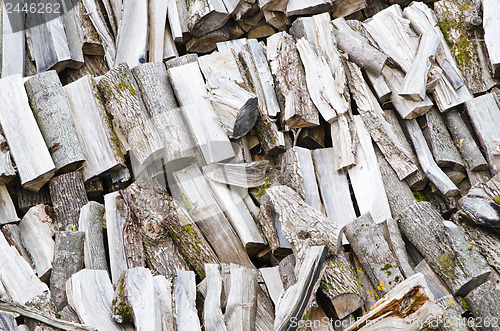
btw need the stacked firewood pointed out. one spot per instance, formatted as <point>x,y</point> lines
<point>340,172</point>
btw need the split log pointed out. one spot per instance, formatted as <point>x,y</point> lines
<point>380,130</point>
<point>159,100</point>
<point>212,314</point>
<point>460,266</point>
<point>90,293</point>
<point>184,74</point>
<point>7,170</point>
<point>208,42</point>
<point>274,285</point>
<point>94,188</point>
<point>365,178</point>
<point>420,311</point>
<point>241,307</point>
<point>297,7</point>
<point>491,32</point>
<point>480,205</point>
<point>52,113</point>
<point>164,302</point>
<point>277,19</point>
<point>429,166</point>
<point>238,174</point>
<point>398,247</point>
<point>270,225</point>
<point>379,86</point>
<point>334,188</point>
<point>116,218</point>
<point>8,322</point>
<point>74,32</point>
<point>169,47</point>
<point>484,112</point>
<point>12,234</point>
<point>134,300</point>
<point>481,301</point>
<point>444,151</point>
<point>205,16</point>
<point>186,316</point>
<point>462,138</point>
<point>91,222</point>
<point>344,142</point>
<point>157,19</point>
<point>177,15</point>
<point>312,138</point>
<point>374,254</point>
<point>13,42</point>
<point>277,5</point>
<point>297,171</point>
<point>344,8</point>
<point>296,299</point>
<point>68,195</point>
<point>91,41</point>
<point>197,195</point>
<point>33,161</point>
<point>98,141</point>
<point>133,127</point>
<point>8,212</point>
<point>68,260</point>
<point>271,140</point>
<point>291,82</point>
<point>36,232</point>
<point>132,36</point>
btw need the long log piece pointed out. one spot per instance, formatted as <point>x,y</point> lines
<point>116,217</point>
<point>241,305</point>
<point>491,31</point>
<point>32,158</point>
<point>212,314</point>
<point>52,113</point>
<point>91,223</point>
<point>184,294</point>
<point>132,36</point>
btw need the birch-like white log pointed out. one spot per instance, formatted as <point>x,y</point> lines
<point>164,302</point>
<point>184,293</point>
<point>32,158</point>
<point>132,37</point>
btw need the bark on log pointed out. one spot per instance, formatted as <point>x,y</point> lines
<point>186,318</point>
<point>398,247</point>
<point>52,113</point>
<point>91,41</point>
<point>132,36</point>
<point>482,302</point>
<point>91,222</point>
<point>68,259</point>
<point>68,195</point>
<point>27,146</point>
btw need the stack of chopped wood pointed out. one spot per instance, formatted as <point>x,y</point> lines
<point>341,172</point>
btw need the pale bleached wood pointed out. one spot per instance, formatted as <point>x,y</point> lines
<point>297,7</point>
<point>116,217</point>
<point>380,87</point>
<point>169,47</point>
<point>132,36</point>
<point>344,142</point>
<point>177,19</point>
<point>52,113</point>
<point>241,307</point>
<point>184,294</point>
<point>491,26</point>
<point>189,88</point>
<point>246,175</point>
<point>415,82</point>
<point>74,32</point>
<point>90,293</point>
<point>274,285</point>
<point>158,98</point>
<point>134,300</point>
<point>484,112</point>
<point>291,82</point>
<point>212,314</point>
<point>380,130</point>
<point>13,42</point>
<point>130,121</point>
<point>269,224</point>
<point>366,179</point>
<point>8,212</point>
<point>33,161</point>
<point>93,127</point>
<point>334,187</point>
<point>8,322</point>
<point>157,19</point>
<point>7,170</point>
<point>460,266</point>
<point>91,222</point>
<point>36,233</point>
<point>164,302</point>
<point>429,166</point>
<point>13,236</point>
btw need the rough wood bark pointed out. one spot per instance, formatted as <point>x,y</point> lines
<point>267,220</point>
<point>491,31</point>
<point>212,314</point>
<point>99,142</point>
<point>186,318</point>
<point>242,298</point>
<point>90,293</point>
<point>184,74</point>
<point>398,247</point>
<point>460,266</point>
<point>33,161</point>
<point>68,259</point>
<point>68,195</point>
<point>132,36</point>
<point>130,120</point>
<point>13,42</point>
<point>92,44</point>
<point>299,109</point>
<point>481,301</point>
<point>52,113</point>
<point>91,222</point>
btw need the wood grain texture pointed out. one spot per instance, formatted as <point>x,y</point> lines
<point>13,43</point>
<point>132,36</point>
<point>8,212</point>
<point>91,222</point>
<point>116,217</point>
<point>186,318</point>
<point>491,30</point>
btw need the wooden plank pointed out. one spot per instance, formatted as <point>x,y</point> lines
<point>186,316</point>
<point>33,161</point>
<point>91,223</point>
<point>491,28</point>
<point>52,113</point>
<point>13,42</point>
<point>132,36</point>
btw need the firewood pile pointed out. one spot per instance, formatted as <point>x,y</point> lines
<point>250,165</point>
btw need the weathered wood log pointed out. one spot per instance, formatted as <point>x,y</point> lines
<point>460,266</point>
<point>271,140</point>
<point>98,141</point>
<point>68,259</point>
<point>12,234</point>
<point>164,302</point>
<point>186,317</point>
<point>380,130</point>
<point>177,15</point>
<point>238,174</point>
<point>74,33</point>
<point>274,285</point>
<point>68,195</point>
<point>297,7</point>
<point>91,41</point>
<point>276,5</point>
<point>90,293</point>
<point>169,47</point>
<point>334,188</point>
<point>7,209</point>
<point>484,111</point>
<point>270,225</point>
<point>8,322</point>
<point>491,31</point>
<point>241,307</point>
<point>91,222</point>
<point>130,121</point>
<point>94,65</point>
<point>7,170</point>
<point>429,166</point>
<point>365,178</point>
<point>205,16</point>
<point>344,8</point>
<point>289,74</point>
<point>296,299</point>
<point>277,19</point>
<point>132,36</point>
<point>344,142</point>
<point>94,188</point>
<point>374,254</point>
<point>208,42</point>
<point>33,161</point>
<point>116,218</point>
<point>13,42</point>
<point>52,113</point>
<point>209,136</point>
<point>464,141</point>
<point>379,86</point>
<point>212,314</point>
<point>481,302</point>
<point>157,19</point>
<point>398,247</point>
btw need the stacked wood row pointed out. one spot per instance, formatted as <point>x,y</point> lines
<point>250,165</point>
